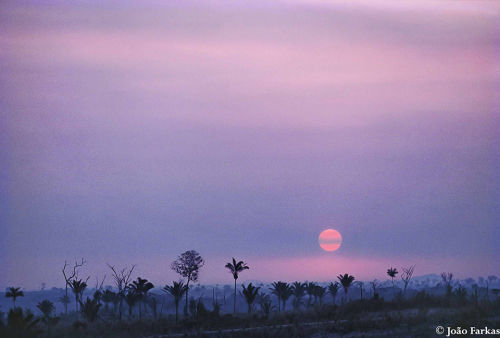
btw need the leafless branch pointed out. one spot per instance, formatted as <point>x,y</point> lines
<point>74,274</point>
<point>406,276</point>
<point>122,278</point>
<point>97,285</point>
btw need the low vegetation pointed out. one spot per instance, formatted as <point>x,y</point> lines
<point>132,309</point>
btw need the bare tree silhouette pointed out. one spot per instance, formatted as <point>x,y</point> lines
<point>122,282</point>
<point>235,269</point>
<point>406,276</point>
<point>447,283</point>
<point>360,288</point>
<point>374,285</point>
<point>70,278</point>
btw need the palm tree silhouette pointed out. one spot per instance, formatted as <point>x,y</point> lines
<point>297,303</point>
<point>77,286</point>
<point>298,291</point>
<point>249,293</point>
<point>14,293</point>
<point>392,272</point>
<point>98,296</point>
<point>287,293</point>
<point>310,287</point>
<point>283,291</point>
<point>235,269</point>
<point>131,298</point>
<point>333,288</point>
<point>261,299</point>
<point>346,280</point>
<point>65,300</point>
<point>320,293</point>
<point>141,287</point>
<point>107,297</point>
<point>90,309</point>
<point>177,291</point>
<point>46,307</point>
<point>21,324</point>
<point>267,307</point>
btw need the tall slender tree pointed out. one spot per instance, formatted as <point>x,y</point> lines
<point>235,269</point>
<point>177,291</point>
<point>14,293</point>
<point>69,279</point>
<point>346,281</point>
<point>188,265</point>
<point>374,285</point>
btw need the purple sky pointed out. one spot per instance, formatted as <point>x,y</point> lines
<point>130,134</point>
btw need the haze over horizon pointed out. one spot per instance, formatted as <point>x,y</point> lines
<point>132,133</point>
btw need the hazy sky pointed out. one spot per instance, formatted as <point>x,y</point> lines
<point>130,134</point>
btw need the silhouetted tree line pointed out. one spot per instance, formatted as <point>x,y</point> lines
<point>107,305</point>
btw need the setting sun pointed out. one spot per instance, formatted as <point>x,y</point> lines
<point>330,240</point>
